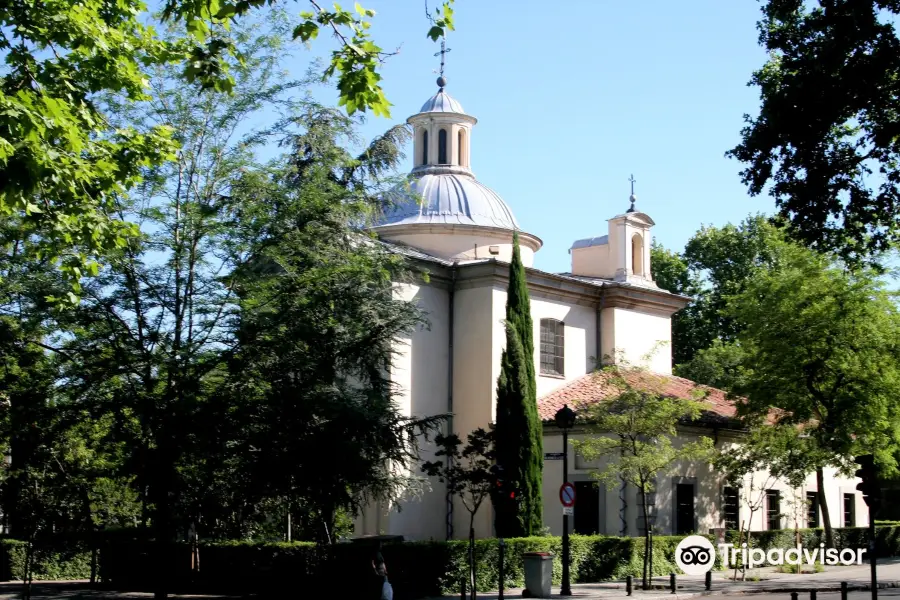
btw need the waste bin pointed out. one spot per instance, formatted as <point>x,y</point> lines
<point>538,574</point>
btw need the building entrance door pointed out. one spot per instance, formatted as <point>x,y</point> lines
<point>587,508</point>
<point>684,508</point>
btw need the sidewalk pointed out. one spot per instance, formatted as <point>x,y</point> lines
<point>856,576</point>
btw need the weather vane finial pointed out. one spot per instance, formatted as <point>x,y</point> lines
<point>633,198</point>
<point>441,81</point>
<point>443,51</point>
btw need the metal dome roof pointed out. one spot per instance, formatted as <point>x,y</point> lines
<point>442,102</point>
<point>448,199</point>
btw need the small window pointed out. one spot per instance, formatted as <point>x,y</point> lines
<point>730,508</point>
<point>553,347</point>
<point>849,510</point>
<point>637,254</point>
<point>425,147</point>
<point>812,509</point>
<point>442,147</point>
<point>773,509</point>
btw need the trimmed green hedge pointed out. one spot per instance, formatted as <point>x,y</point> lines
<point>56,561</point>
<point>416,569</point>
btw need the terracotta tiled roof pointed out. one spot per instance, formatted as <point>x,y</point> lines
<point>598,386</point>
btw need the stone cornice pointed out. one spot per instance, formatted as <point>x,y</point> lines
<point>611,294</point>
<point>387,231</point>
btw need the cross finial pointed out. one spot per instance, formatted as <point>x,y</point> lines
<point>633,198</point>
<point>442,53</point>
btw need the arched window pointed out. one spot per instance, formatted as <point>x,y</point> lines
<point>637,254</point>
<point>553,347</point>
<point>425,147</point>
<point>461,157</point>
<point>442,147</point>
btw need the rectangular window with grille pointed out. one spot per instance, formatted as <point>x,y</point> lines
<point>849,510</point>
<point>812,509</point>
<point>730,508</point>
<point>553,344</point>
<point>773,509</point>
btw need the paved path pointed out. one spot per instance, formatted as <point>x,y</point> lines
<point>772,582</point>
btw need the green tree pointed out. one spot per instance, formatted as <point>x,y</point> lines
<point>519,436</point>
<point>470,474</point>
<point>820,346</point>
<point>318,330</point>
<point>355,62</point>
<point>767,453</point>
<point>65,164</point>
<point>825,142</point>
<point>638,427</point>
<point>62,163</point>
<point>715,264</point>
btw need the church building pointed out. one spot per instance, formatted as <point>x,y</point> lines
<point>460,231</point>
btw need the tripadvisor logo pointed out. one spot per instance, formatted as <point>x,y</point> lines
<point>695,555</point>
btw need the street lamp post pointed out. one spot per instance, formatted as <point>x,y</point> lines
<point>565,420</point>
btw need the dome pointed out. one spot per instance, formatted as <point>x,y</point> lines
<point>442,102</point>
<point>448,198</point>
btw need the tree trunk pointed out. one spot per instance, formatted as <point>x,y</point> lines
<point>647,545</point>
<point>823,508</point>
<point>473,592</point>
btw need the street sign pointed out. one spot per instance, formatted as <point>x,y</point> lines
<point>554,455</point>
<point>568,510</point>
<point>567,494</point>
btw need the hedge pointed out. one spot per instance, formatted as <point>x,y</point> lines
<point>417,569</point>
<point>62,560</point>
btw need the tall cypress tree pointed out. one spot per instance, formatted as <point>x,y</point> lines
<point>519,442</point>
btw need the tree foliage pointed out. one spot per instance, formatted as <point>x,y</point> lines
<point>825,143</point>
<point>519,436</point>
<point>636,432</point>
<point>820,347</point>
<point>715,264</point>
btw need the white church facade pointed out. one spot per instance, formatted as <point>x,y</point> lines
<point>460,232</point>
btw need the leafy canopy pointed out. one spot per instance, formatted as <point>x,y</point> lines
<point>825,143</point>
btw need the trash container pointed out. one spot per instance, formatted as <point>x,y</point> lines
<point>538,574</point>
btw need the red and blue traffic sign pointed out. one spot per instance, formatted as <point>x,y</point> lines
<point>567,494</point>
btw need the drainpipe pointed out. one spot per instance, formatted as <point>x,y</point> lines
<point>449,498</point>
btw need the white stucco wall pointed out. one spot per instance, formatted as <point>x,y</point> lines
<point>421,371</point>
<point>708,499</point>
<point>640,337</point>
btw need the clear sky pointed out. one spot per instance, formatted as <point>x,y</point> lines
<point>573,97</point>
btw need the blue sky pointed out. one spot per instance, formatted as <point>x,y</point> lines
<point>574,97</point>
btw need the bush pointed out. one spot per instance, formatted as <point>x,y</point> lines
<point>55,560</point>
<point>416,569</point>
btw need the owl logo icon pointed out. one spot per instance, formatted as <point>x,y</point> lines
<point>695,555</point>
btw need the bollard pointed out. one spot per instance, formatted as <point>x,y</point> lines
<point>672,582</point>
<point>629,583</point>
<point>812,594</point>
<point>462,588</point>
<point>843,590</point>
<point>793,595</point>
<point>708,580</point>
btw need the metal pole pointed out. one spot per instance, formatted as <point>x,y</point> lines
<point>629,584</point>
<point>672,582</point>
<point>565,588</point>
<point>708,580</point>
<point>843,590</point>
<point>812,594</point>
<point>872,558</point>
